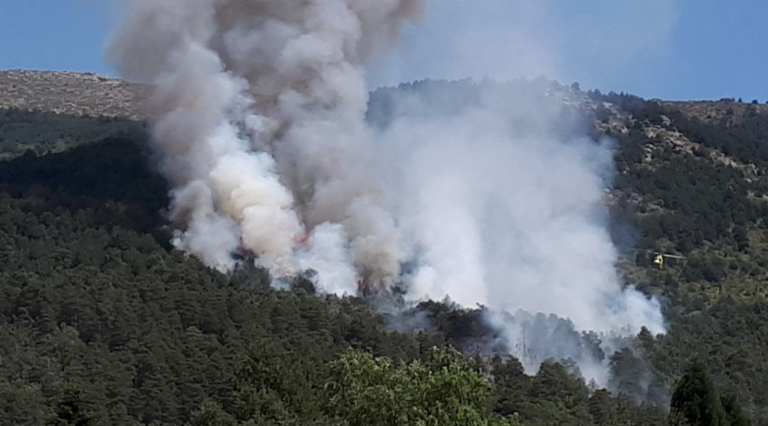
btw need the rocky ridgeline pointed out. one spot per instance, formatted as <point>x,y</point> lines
<point>714,112</point>
<point>72,93</point>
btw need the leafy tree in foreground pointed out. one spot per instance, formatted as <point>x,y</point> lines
<point>442,390</point>
<point>733,413</point>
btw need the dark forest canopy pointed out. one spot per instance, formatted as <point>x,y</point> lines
<point>102,322</point>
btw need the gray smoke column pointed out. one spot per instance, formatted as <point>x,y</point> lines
<point>260,124</point>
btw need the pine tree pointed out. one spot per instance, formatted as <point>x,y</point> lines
<point>695,401</point>
<point>71,410</point>
<point>600,407</point>
<point>733,413</point>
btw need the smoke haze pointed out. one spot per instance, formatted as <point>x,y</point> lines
<point>502,201</point>
<point>260,123</point>
<point>505,211</point>
<point>594,42</point>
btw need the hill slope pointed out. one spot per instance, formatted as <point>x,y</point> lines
<point>72,93</point>
<point>94,299</point>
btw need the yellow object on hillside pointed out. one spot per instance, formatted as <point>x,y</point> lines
<point>659,259</point>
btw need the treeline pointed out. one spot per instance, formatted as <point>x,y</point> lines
<point>42,132</point>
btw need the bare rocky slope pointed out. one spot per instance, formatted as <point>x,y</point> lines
<point>72,93</point>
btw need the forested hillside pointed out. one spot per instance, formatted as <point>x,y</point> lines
<point>44,132</point>
<point>102,322</point>
<point>698,189</point>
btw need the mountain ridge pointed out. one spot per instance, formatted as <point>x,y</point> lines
<point>116,97</point>
<point>82,229</point>
<point>73,93</point>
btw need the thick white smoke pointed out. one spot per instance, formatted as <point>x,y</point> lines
<point>502,204</point>
<point>508,211</point>
<point>260,112</point>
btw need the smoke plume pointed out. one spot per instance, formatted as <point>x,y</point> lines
<point>505,207</point>
<point>501,200</point>
<point>262,126</point>
<point>260,111</point>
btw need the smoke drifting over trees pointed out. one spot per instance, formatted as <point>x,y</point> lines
<point>261,130</point>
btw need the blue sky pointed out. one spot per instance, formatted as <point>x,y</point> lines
<point>678,49</point>
<point>53,34</point>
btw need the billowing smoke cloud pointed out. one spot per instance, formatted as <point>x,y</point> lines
<point>260,108</point>
<point>261,125</point>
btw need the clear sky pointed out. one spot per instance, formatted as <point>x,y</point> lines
<point>679,49</point>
